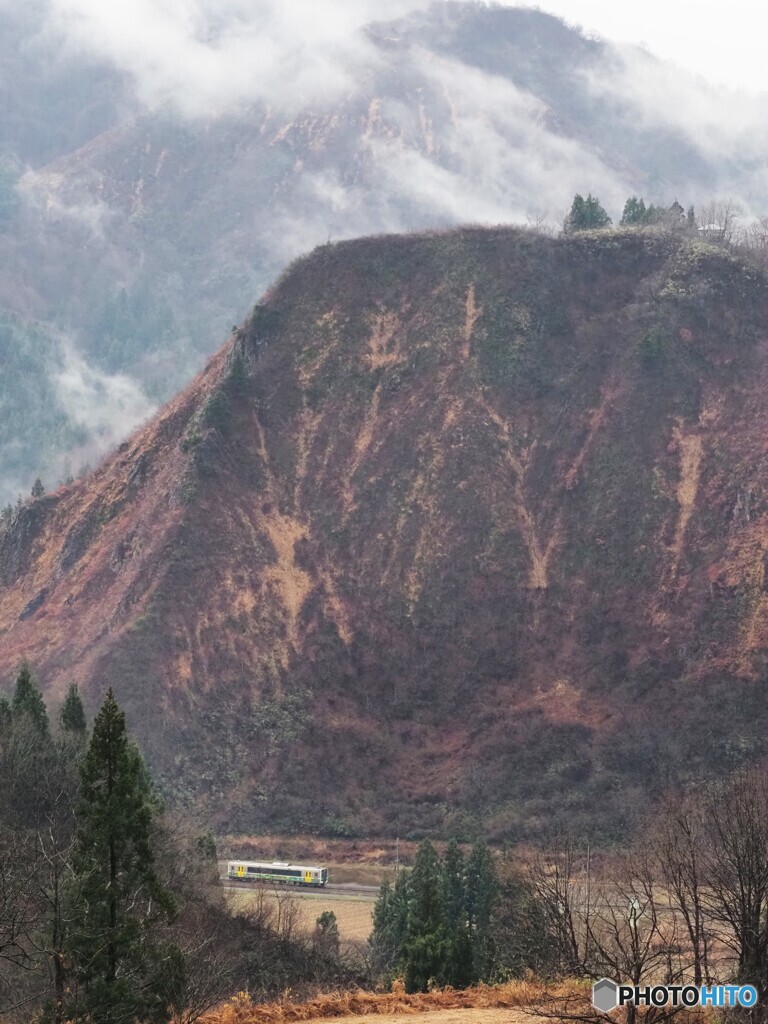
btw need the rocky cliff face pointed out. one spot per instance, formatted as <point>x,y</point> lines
<point>457,531</point>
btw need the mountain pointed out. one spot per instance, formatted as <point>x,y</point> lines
<point>457,531</point>
<point>131,234</point>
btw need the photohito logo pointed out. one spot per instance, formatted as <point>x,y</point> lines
<point>608,994</point>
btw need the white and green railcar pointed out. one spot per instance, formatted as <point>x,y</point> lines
<point>285,874</point>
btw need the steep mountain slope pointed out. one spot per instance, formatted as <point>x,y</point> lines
<point>458,529</point>
<point>139,237</point>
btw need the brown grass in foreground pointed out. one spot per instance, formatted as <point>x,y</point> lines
<point>240,1009</point>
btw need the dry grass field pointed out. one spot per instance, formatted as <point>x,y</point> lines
<point>481,1005</point>
<point>354,916</point>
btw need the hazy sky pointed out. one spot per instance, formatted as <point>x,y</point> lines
<point>725,43</point>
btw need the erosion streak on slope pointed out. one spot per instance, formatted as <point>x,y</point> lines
<point>363,442</point>
<point>293,584</point>
<point>305,435</point>
<point>473,312</point>
<point>538,554</point>
<point>691,452</point>
<point>381,351</point>
<point>596,420</point>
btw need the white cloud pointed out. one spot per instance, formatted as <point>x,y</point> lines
<point>212,56</point>
<point>715,118</point>
<point>109,406</point>
<point>495,160</point>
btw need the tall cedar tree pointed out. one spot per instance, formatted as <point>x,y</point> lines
<point>482,893</point>
<point>390,923</point>
<point>73,712</point>
<point>460,968</point>
<point>587,214</point>
<point>28,700</point>
<point>427,948</point>
<point>124,975</point>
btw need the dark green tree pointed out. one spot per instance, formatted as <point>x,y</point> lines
<point>453,885</point>
<point>460,970</point>
<point>482,894</point>
<point>72,712</point>
<point>28,700</point>
<point>38,488</point>
<point>390,923</point>
<point>123,972</point>
<point>587,214</point>
<point>427,947</point>
<point>326,934</point>
<point>634,212</point>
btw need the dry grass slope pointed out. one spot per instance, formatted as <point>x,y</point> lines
<point>515,995</point>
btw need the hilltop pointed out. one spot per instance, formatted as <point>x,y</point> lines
<point>133,235</point>
<point>458,531</point>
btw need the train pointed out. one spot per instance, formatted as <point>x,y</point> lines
<point>284,874</point>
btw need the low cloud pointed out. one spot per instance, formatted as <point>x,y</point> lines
<point>726,126</point>
<point>496,159</point>
<point>108,406</point>
<point>209,57</point>
<point>40,193</point>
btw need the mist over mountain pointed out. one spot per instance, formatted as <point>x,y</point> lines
<point>157,172</point>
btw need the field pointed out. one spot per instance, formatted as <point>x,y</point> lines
<point>506,1003</point>
<point>354,916</point>
<point>470,1015</point>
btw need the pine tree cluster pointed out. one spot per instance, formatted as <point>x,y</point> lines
<point>110,907</point>
<point>76,852</point>
<point>434,926</point>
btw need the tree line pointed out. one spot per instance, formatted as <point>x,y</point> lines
<point>110,908</point>
<point>111,913</point>
<point>717,221</point>
<point>459,920</point>
<point>685,903</point>
<point>589,214</point>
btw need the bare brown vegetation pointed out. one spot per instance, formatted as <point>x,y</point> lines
<point>448,516</point>
<point>513,995</point>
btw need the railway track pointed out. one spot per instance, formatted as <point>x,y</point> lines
<point>343,890</point>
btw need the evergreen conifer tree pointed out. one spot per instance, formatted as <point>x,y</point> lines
<point>427,949</point>
<point>73,712</point>
<point>634,212</point>
<point>38,488</point>
<point>459,969</point>
<point>586,214</point>
<point>28,700</point>
<point>123,974</point>
<point>390,923</point>
<point>482,893</point>
<point>454,897</point>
